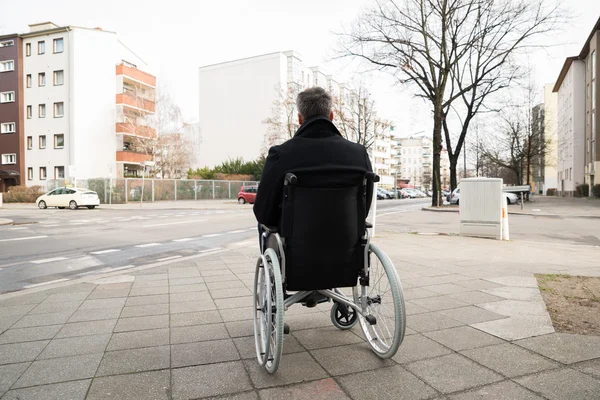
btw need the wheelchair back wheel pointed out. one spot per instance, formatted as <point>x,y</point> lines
<point>385,302</point>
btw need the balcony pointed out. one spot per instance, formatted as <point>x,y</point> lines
<point>137,103</point>
<point>132,157</point>
<point>135,75</point>
<point>133,130</point>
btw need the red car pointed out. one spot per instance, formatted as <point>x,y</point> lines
<point>247,194</point>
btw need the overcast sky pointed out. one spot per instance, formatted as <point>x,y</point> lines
<point>176,37</point>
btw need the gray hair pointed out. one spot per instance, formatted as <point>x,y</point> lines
<point>313,102</point>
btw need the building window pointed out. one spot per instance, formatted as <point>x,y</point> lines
<point>30,173</point>
<point>58,45</point>
<point>42,79</point>
<point>59,78</point>
<point>42,111</point>
<point>28,80</point>
<point>59,141</point>
<point>41,47</point>
<point>9,158</point>
<point>7,97</point>
<point>42,141</point>
<point>59,172</point>
<point>6,66</point>
<point>593,64</point>
<point>29,142</point>
<point>59,110</point>
<point>7,43</point>
<point>27,49</point>
<point>29,112</point>
<point>7,127</point>
<point>42,172</point>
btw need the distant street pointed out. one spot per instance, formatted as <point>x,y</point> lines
<point>50,245</point>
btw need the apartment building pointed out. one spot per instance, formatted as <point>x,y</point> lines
<point>592,106</point>
<point>382,154</point>
<point>550,135</point>
<point>414,162</point>
<point>570,146</point>
<point>12,157</point>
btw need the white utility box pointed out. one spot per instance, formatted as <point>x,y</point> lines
<point>480,203</point>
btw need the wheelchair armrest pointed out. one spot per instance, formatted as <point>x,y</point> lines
<point>368,224</point>
<point>270,229</point>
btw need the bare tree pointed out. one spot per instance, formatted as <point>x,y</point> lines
<point>356,117</point>
<point>283,122</point>
<point>449,50</point>
<point>172,155</point>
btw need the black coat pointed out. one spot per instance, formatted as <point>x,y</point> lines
<point>316,143</point>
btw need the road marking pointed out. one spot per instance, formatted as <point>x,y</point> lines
<point>148,245</point>
<point>207,250</point>
<point>77,223</point>
<point>47,260</point>
<point>238,231</point>
<point>175,223</point>
<point>164,216</point>
<point>212,235</point>
<point>169,258</point>
<point>23,238</point>
<point>50,226</point>
<point>105,251</point>
<point>183,240</point>
<point>17,229</point>
<point>45,283</point>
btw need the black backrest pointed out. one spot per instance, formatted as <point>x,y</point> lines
<point>323,222</point>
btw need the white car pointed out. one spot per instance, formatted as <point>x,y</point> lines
<point>454,198</point>
<point>69,197</point>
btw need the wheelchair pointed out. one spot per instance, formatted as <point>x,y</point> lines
<point>322,247</point>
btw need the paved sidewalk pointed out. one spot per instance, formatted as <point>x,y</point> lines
<point>476,328</point>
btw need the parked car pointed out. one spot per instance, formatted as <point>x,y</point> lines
<point>455,197</point>
<point>382,194</point>
<point>69,197</point>
<point>390,194</point>
<point>247,194</point>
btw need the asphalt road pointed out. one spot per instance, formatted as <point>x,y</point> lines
<point>46,246</point>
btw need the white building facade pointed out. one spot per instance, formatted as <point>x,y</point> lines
<point>550,134</point>
<point>414,162</point>
<point>571,129</point>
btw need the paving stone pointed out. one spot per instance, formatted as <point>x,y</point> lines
<point>7,322</point>
<point>514,328</point>
<point>192,306</point>
<point>521,281</point>
<point>153,385</point>
<point>220,278</point>
<point>199,287</point>
<point>134,360</point>
<point>19,310</point>
<point>430,321</point>
<point>564,347</point>
<point>320,338</point>
<point>146,300</point>
<point>452,372</point>
<point>145,310</point>
<point>463,338</point>
<point>307,321</point>
<point>42,319</point>
<point>103,303</point>
<point>185,272</point>
<point>418,347</point>
<point>471,315</point>
<point>233,292</point>
<point>591,367</point>
<point>446,288</point>
<point>478,284</point>
<point>151,277</point>
<point>235,302</point>
<point>516,293</point>
<point>188,334</point>
<point>34,298</point>
<point>56,370</point>
<point>509,360</point>
<point>215,286</point>
<point>75,390</point>
<point>247,349</point>
<point>518,308</point>
<point>349,359</point>
<point>56,307</point>
<point>237,314</point>
<point>9,375</point>
<point>86,328</point>
<point>240,328</point>
<point>394,383</point>
<point>506,390</point>
<point>149,284</point>
<point>562,384</point>
<point>418,293</point>
<point>207,380</point>
<point>475,297</point>
<point>190,296</point>
<point>75,345</point>
<point>323,389</point>
<point>439,303</point>
<point>21,352</point>
<point>137,339</point>
<point>108,294</point>
<point>195,318</point>
<point>142,323</point>
<point>29,334</point>
<point>147,291</point>
<point>114,286</point>
<point>293,368</point>
<point>423,281</point>
<point>185,281</point>
<point>95,315</point>
<point>198,353</point>
<point>412,309</point>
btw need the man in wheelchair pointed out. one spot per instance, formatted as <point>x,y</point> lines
<point>312,203</point>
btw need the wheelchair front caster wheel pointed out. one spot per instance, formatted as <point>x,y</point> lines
<point>343,317</point>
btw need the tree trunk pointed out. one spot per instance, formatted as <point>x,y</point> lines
<point>453,174</point>
<point>437,149</point>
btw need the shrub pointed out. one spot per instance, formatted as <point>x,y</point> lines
<point>596,190</point>
<point>551,192</point>
<point>22,194</point>
<point>582,190</point>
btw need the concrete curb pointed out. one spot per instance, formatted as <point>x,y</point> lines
<point>456,210</point>
<point>6,221</point>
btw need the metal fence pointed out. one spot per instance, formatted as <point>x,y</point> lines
<point>125,190</point>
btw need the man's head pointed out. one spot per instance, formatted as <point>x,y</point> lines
<point>313,102</point>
